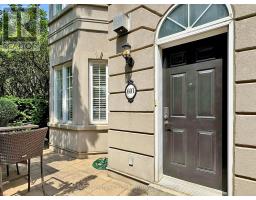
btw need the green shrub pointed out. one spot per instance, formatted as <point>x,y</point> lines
<point>31,110</point>
<point>8,111</point>
<point>40,114</point>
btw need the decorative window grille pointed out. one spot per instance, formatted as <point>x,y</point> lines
<point>187,16</point>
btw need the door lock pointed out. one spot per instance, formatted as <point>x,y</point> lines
<point>168,127</point>
<point>166,113</point>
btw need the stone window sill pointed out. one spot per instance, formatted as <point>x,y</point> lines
<point>78,127</point>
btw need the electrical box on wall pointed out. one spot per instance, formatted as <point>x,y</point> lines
<point>120,24</point>
<point>130,161</point>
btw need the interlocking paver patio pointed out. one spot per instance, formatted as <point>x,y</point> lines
<point>67,176</point>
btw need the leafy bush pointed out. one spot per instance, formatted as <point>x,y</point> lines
<point>8,111</point>
<point>31,110</point>
<point>40,114</point>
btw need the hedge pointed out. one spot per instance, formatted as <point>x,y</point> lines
<point>30,110</point>
<point>8,111</point>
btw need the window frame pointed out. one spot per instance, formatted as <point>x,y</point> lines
<point>67,87</point>
<point>91,63</point>
<point>55,98</point>
<point>55,11</point>
<point>65,108</point>
<point>189,29</point>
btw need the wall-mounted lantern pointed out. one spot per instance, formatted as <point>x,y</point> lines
<point>127,55</point>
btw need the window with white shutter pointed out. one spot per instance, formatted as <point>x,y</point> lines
<point>98,92</point>
<point>69,98</point>
<point>63,97</point>
<point>58,95</point>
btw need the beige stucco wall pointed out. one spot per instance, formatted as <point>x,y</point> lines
<point>135,122</point>
<point>81,141</point>
<point>131,134</point>
<point>78,34</point>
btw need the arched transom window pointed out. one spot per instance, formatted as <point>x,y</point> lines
<point>187,16</point>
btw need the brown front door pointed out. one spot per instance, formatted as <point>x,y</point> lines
<point>193,122</point>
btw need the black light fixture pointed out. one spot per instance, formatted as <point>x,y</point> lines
<point>127,54</point>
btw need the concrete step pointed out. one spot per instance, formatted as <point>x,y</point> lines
<point>159,190</point>
<point>178,187</point>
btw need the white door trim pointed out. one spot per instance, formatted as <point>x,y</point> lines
<point>225,25</point>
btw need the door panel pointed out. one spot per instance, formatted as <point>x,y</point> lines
<point>178,145</point>
<point>193,131</point>
<point>206,151</point>
<point>178,94</point>
<point>205,93</point>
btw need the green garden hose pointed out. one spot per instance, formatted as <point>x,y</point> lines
<point>100,164</point>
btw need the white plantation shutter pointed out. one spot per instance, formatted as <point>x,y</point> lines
<point>99,92</point>
<point>69,93</point>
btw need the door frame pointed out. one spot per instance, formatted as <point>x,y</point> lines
<point>208,30</point>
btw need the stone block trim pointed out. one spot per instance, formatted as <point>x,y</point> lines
<point>131,142</point>
<point>244,187</point>
<point>137,165</point>
<point>158,10</point>
<point>117,64</point>
<point>137,39</point>
<point>245,40</point>
<point>246,98</point>
<point>138,77</point>
<point>245,109</point>
<point>245,136</point>
<point>132,121</point>
<point>245,159</point>
<point>242,11</point>
<point>143,102</point>
<point>245,66</point>
<point>75,11</point>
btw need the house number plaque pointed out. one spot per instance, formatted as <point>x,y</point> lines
<point>130,91</point>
